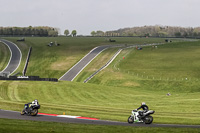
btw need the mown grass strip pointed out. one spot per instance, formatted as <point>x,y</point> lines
<point>4,56</point>
<point>22,126</point>
<point>115,103</point>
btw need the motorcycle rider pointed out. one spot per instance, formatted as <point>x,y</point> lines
<point>34,103</point>
<point>145,109</point>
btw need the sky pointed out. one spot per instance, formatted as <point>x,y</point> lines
<point>85,16</point>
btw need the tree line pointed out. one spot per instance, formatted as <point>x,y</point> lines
<point>29,31</point>
<point>154,31</point>
<point>73,33</point>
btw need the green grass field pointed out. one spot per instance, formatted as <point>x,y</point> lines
<point>4,56</point>
<point>144,75</point>
<point>172,61</point>
<point>100,101</point>
<point>53,62</point>
<point>15,126</point>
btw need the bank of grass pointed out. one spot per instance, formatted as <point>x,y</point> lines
<point>170,68</point>
<point>22,126</point>
<point>115,91</point>
<point>4,56</point>
<point>168,62</point>
<point>103,102</point>
<point>53,62</point>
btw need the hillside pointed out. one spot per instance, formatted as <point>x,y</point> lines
<point>4,56</point>
<point>115,91</point>
<point>53,62</point>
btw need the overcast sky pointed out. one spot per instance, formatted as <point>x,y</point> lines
<point>88,15</point>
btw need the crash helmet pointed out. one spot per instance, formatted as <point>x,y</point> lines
<point>143,103</point>
<point>35,100</point>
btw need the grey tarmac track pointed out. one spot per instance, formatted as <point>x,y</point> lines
<point>77,68</point>
<point>16,115</point>
<point>15,58</point>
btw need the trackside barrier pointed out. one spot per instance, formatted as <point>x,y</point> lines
<point>28,78</point>
<point>27,61</point>
<point>145,76</point>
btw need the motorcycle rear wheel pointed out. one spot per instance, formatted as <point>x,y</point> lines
<point>34,112</point>
<point>148,119</point>
<point>130,119</point>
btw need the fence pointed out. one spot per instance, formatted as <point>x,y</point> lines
<point>27,61</point>
<point>28,78</point>
<point>144,75</point>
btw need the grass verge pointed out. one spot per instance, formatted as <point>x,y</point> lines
<point>4,56</point>
<point>22,126</point>
<point>100,101</point>
<point>115,91</point>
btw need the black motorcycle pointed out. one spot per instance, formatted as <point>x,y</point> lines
<point>33,110</point>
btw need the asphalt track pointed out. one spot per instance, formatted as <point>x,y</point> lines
<point>15,57</point>
<point>16,115</point>
<point>77,68</point>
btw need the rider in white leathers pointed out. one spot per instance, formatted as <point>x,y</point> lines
<point>34,103</point>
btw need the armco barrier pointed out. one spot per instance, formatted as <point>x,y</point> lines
<point>29,78</point>
<point>27,61</point>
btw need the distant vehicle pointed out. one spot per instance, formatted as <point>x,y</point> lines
<point>112,40</point>
<point>32,110</point>
<point>50,44</point>
<point>167,40</point>
<point>22,39</point>
<point>146,118</point>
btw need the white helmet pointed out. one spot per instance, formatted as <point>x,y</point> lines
<point>143,103</point>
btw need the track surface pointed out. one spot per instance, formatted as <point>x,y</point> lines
<point>16,115</point>
<point>76,69</point>
<point>15,57</point>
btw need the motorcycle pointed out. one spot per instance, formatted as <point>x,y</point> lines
<point>145,118</point>
<point>33,110</point>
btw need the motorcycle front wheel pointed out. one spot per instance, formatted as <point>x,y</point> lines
<point>34,112</point>
<point>148,119</point>
<point>23,112</point>
<point>130,119</point>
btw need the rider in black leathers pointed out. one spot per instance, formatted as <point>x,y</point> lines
<point>144,107</point>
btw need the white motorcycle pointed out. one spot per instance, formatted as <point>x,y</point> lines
<point>145,118</point>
